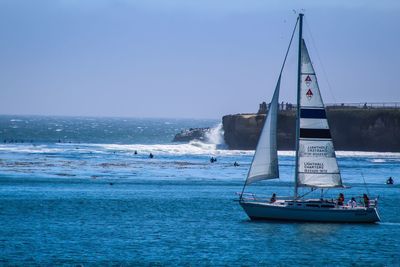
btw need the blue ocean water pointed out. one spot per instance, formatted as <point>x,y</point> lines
<point>72,191</point>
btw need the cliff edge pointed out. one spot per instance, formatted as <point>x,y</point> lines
<point>376,129</point>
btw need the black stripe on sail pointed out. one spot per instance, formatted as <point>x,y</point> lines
<point>315,133</point>
<point>307,113</point>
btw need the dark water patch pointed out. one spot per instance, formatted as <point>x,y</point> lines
<point>108,164</point>
<point>65,174</point>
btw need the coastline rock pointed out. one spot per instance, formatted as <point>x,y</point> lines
<point>191,134</point>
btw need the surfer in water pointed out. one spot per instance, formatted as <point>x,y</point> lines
<point>390,180</point>
<point>151,155</point>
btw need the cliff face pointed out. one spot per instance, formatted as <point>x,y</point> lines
<point>365,130</point>
<point>351,129</point>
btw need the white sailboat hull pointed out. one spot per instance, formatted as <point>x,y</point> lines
<point>300,211</point>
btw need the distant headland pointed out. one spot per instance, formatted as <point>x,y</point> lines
<point>354,127</point>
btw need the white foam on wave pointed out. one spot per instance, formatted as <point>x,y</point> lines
<point>286,153</point>
<point>377,156</point>
<point>378,160</point>
<point>191,148</point>
<point>390,223</point>
<point>213,145</point>
<point>30,149</point>
<point>368,154</point>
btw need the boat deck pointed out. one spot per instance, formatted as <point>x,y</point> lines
<point>308,203</point>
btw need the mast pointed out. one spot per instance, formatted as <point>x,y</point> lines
<point>298,105</point>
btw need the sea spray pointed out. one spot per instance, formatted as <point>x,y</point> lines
<point>216,136</point>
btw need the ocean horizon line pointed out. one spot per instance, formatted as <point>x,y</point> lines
<point>108,117</point>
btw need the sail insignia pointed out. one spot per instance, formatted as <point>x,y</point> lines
<point>317,165</point>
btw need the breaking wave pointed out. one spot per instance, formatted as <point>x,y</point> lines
<point>378,160</point>
<point>191,148</point>
<point>214,145</point>
<point>216,136</point>
<point>368,154</point>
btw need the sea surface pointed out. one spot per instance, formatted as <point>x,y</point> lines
<point>73,192</point>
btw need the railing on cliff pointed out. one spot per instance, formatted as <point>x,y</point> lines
<point>366,105</point>
<point>360,105</point>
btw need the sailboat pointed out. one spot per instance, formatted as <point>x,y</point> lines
<point>316,166</point>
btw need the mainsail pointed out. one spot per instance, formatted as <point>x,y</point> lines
<point>265,160</point>
<point>317,165</point>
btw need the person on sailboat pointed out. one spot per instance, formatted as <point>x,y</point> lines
<point>340,199</point>
<point>352,203</point>
<point>273,198</point>
<point>366,200</point>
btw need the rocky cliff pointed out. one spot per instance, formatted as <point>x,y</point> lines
<point>191,134</point>
<point>352,129</point>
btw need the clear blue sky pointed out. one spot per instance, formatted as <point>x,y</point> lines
<point>193,59</point>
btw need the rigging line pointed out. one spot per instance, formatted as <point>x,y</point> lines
<point>312,190</point>
<point>365,184</point>
<point>320,61</point>
<point>290,43</point>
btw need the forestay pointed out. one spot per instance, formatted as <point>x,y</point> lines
<point>317,166</point>
<point>265,161</point>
